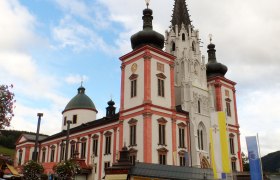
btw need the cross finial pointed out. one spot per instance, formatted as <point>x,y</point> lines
<point>147,3</point>
<point>82,81</point>
<point>210,38</point>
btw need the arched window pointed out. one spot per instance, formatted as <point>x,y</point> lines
<point>183,37</point>
<point>173,46</point>
<point>201,136</point>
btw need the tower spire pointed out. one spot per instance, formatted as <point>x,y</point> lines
<point>180,14</point>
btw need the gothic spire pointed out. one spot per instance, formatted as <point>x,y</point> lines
<point>180,14</point>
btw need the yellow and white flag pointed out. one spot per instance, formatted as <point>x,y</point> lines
<point>219,144</point>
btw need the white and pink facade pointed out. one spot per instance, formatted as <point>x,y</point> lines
<point>165,104</point>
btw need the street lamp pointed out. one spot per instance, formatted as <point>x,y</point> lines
<point>35,154</point>
<point>93,165</point>
<point>67,138</point>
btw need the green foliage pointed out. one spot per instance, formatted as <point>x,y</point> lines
<point>245,162</point>
<point>6,106</point>
<point>7,151</point>
<point>66,170</point>
<point>32,170</point>
<point>8,138</point>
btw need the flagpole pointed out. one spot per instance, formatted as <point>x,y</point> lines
<point>259,149</point>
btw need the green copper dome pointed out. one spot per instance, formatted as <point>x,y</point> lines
<point>80,101</point>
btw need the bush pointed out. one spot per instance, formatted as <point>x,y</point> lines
<point>32,170</point>
<point>67,170</point>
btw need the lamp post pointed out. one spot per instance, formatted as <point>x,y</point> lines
<point>35,154</point>
<point>67,139</point>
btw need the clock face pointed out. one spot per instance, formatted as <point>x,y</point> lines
<point>134,68</point>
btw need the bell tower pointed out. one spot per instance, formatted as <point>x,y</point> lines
<point>149,122</point>
<point>191,91</point>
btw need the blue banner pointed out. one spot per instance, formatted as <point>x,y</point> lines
<point>186,158</point>
<point>254,159</point>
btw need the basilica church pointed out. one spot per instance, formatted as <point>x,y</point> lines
<point>170,99</point>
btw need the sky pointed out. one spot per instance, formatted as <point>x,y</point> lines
<point>47,47</point>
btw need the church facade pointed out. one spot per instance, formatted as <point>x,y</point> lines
<point>167,97</point>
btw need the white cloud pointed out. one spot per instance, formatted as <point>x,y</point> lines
<point>31,82</point>
<point>71,33</point>
<point>90,11</point>
<point>16,26</point>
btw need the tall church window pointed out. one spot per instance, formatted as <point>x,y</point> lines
<point>72,148</point>
<point>233,163</point>
<point>132,134</point>
<point>83,148</point>
<point>19,157</point>
<point>181,135</point>
<point>228,108</point>
<point>64,121</point>
<point>108,135</point>
<point>182,161</point>
<point>231,144</point>
<point>173,46</point>
<point>161,87</point>
<point>201,137</point>
<point>133,85</point>
<point>161,131</point>
<point>161,90</point>
<point>183,37</point>
<point>162,156</point>
<point>62,152</point>
<point>106,164</point>
<point>198,106</point>
<point>95,145</point>
<point>44,155</point>
<point>75,119</point>
<point>132,155</point>
<point>52,154</point>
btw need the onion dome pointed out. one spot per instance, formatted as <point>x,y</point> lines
<point>147,36</point>
<point>80,101</point>
<point>110,110</point>
<point>213,68</point>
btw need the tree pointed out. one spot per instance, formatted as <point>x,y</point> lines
<point>245,162</point>
<point>6,105</point>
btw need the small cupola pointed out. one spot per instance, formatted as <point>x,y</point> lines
<point>79,110</point>
<point>110,110</point>
<point>147,36</point>
<point>214,68</point>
